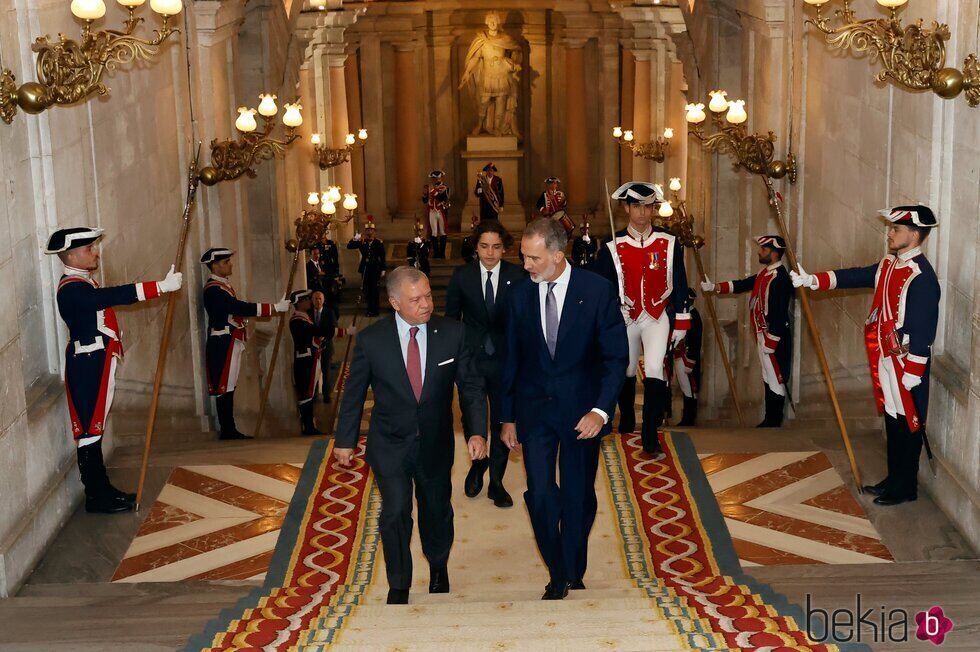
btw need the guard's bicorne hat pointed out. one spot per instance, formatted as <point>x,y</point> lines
<point>639,192</point>
<point>436,174</point>
<point>370,222</point>
<point>918,215</point>
<point>214,254</point>
<point>552,180</point>
<point>489,166</point>
<point>774,242</point>
<point>65,239</point>
<point>298,295</point>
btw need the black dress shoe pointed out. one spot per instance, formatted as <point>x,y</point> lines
<point>234,435</point>
<point>438,580</point>
<point>107,504</point>
<point>499,495</point>
<point>121,496</point>
<point>397,596</point>
<point>874,489</point>
<point>887,500</point>
<point>310,432</point>
<point>555,592</point>
<point>577,585</point>
<point>474,481</point>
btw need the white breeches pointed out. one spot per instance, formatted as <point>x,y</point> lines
<point>652,336</point>
<point>683,379</point>
<point>436,225</point>
<point>889,386</point>
<point>769,376</point>
<point>235,366</point>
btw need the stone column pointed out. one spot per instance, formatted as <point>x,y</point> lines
<point>576,129</point>
<point>375,199</point>
<point>641,111</point>
<point>626,105</point>
<point>677,155</point>
<point>540,140</point>
<point>406,131</point>
<point>352,84</point>
<point>444,98</point>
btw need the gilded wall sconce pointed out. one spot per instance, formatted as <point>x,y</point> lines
<point>754,152</point>
<point>70,71</point>
<point>655,150</point>
<point>911,55</point>
<point>230,159</point>
<point>327,157</point>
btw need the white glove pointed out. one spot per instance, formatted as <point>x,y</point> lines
<point>383,272</point>
<point>676,337</point>
<point>910,382</point>
<point>350,330</point>
<point>282,305</point>
<point>707,286</point>
<point>172,283</point>
<point>357,236</point>
<point>803,279</point>
<point>418,240</point>
<point>586,239</point>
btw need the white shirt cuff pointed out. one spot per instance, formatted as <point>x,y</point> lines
<point>605,417</point>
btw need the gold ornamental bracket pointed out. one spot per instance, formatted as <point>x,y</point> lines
<point>327,157</point>
<point>230,159</point>
<point>321,213</point>
<point>655,150</point>
<point>754,152</point>
<point>70,71</point>
<point>911,55</point>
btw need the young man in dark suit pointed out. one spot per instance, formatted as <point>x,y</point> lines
<point>564,363</point>
<point>411,361</point>
<point>477,295</point>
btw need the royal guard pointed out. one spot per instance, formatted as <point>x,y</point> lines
<point>687,363</point>
<point>333,281</point>
<point>584,248</point>
<point>372,265</point>
<point>307,345</point>
<point>418,250</point>
<point>490,191</point>
<point>467,250</point>
<point>647,266</point>
<point>769,303</point>
<point>435,196</point>
<point>553,204</point>
<point>227,333</point>
<point>93,353</point>
<point>898,335</point>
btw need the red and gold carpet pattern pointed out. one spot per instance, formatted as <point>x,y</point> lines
<point>661,507</point>
<point>326,563</point>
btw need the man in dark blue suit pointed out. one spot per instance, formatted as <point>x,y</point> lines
<point>565,360</point>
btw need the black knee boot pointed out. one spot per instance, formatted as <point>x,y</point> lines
<point>100,496</point>
<point>442,246</point>
<point>627,406</point>
<point>774,410</point>
<point>306,419</point>
<point>654,408</point>
<point>891,451</point>
<point>690,414</point>
<point>226,417</point>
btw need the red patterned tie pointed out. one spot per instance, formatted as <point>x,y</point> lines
<point>415,364</point>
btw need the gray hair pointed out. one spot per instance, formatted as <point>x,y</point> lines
<point>401,275</point>
<point>555,237</point>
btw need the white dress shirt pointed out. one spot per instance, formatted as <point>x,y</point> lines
<point>494,279</point>
<point>560,290</point>
<point>405,336</point>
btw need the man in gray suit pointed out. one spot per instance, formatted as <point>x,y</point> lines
<point>411,361</point>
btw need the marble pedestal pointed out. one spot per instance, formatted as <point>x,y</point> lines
<point>506,155</point>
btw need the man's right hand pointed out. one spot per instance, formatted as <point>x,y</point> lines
<point>508,435</point>
<point>707,286</point>
<point>343,455</point>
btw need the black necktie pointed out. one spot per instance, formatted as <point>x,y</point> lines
<point>488,297</point>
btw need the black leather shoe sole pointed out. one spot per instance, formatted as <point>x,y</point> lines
<point>552,592</point>
<point>888,501</point>
<point>500,497</point>
<point>577,585</point>
<point>397,596</point>
<point>439,582</point>
<point>108,506</point>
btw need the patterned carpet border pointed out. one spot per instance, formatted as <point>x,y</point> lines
<point>678,549</point>
<point>317,574</point>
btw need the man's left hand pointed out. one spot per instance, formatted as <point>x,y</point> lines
<point>589,426</point>
<point>677,336</point>
<point>478,447</point>
<point>910,382</point>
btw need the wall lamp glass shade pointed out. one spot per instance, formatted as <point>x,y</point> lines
<point>362,134</point>
<point>315,139</point>
<point>329,208</point>
<point>293,116</point>
<point>668,133</point>
<point>88,9</point>
<point>350,139</point>
<point>892,4</point>
<point>333,194</point>
<point>267,105</point>
<point>131,4</point>
<point>313,198</point>
<point>167,7</point>
<point>617,132</point>
<point>675,184</point>
<point>666,210</point>
<point>350,201</point>
<point>718,101</point>
<point>246,120</point>
<point>736,112</point>
<point>695,113</point>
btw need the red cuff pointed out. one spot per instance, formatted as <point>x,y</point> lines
<point>826,280</point>
<point>147,291</point>
<point>915,365</point>
<point>682,321</point>
<point>770,341</point>
<point>265,309</point>
<point>725,287</point>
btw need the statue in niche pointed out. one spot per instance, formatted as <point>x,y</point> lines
<point>493,66</point>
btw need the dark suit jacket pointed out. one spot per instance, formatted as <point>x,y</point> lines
<point>397,419</point>
<point>465,300</point>
<point>590,359</point>
<point>314,277</point>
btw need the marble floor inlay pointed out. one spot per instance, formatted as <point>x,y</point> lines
<point>212,523</point>
<point>791,508</point>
